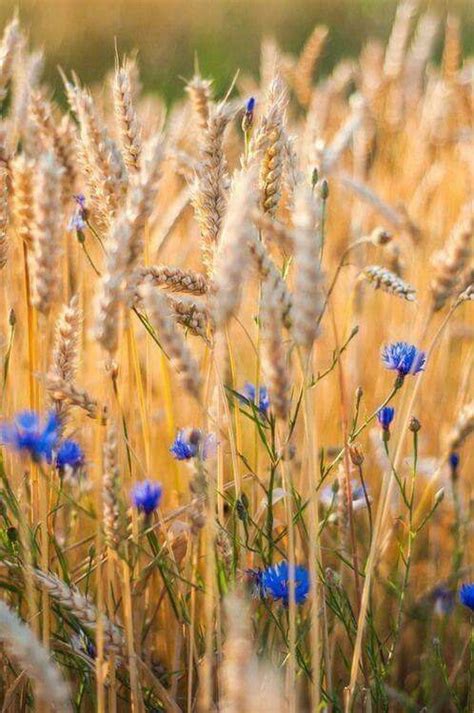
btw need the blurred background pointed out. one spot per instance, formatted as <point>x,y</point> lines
<point>224,34</point>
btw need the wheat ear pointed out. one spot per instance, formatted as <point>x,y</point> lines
<point>463,427</point>
<point>232,257</point>
<point>162,320</point>
<point>23,647</point>
<point>307,297</point>
<point>81,607</point>
<point>47,233</point>
<point>126,117</point>
<point>388,281</point>
<point>8,47</point>
<point>111,489</point>
<point>449,262</point>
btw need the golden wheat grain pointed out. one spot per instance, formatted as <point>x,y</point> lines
<point>126,116</point>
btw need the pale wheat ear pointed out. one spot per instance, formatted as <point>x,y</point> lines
<point>71,599</point>
<point>23,647</point>
<point>275,364</point>
<point>66,351</point>
<point>161,319</point>
<point>199,91</point>
<point>387,281</point>
<point>4,215</point>
<point>10,44</point>
<point>449,262</point>
<point>48,224</point>
<point>463,427</point>
<point>231,257</point>
<point>111,483</point>
<point>307,296</point>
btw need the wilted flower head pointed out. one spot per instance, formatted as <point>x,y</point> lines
<point>28,435</point>
<point>77,221</point>
<point>385,416</point>
<point>466,595</point>
<point>443,599</point>
<point>83,645</point>
<point>404,358</point>
<point>192,442</point>
<point>69,456</point>
<point>146,496</point>
<point>249,395</point>
<point>330,493</point>
<point>274,582</point>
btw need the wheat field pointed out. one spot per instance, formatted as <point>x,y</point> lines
<point>236,395</point>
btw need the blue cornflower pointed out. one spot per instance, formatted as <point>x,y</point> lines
<point>146,496</point>
<point>69,455</point>
<point>385,416</point>
<point>275,582</point>
<point>77,221</point>
<point>247,120</point>
<point>454,460</point>
<point>466,595</point>
<point>404,358</point>
<point>249,395</point>
<point>250,105</point>
<point>192,442</point>
<point>26,434</point>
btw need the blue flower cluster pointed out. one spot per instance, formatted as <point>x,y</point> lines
<point>249,395</point>
<point>38,438</point>
<point>192,442</point>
